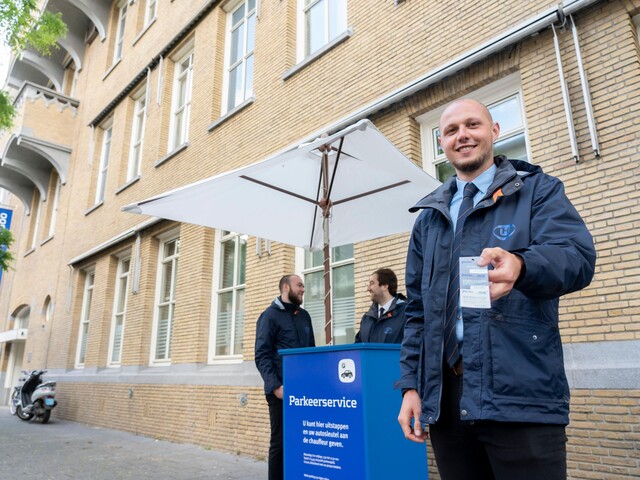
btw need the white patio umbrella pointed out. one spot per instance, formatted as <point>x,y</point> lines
<point>354,185</point>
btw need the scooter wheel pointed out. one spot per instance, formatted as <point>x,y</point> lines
<point>23,416</point>
<point>45,417</point>
<point>13,405</point>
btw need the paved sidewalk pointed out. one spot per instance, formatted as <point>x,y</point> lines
<point>62,450</point>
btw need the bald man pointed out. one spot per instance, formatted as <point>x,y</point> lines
<point>488,378</point>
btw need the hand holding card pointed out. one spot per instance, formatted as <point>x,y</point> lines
<point>474,284</point>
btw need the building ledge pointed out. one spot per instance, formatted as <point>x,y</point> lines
<point>19,334</point>
<point>231,113</point>
<point>121,188</point>
<point>171,154</point>
<point>317,54</point>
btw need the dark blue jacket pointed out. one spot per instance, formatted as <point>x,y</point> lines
<point>278,328</point>
<point>512,354</point>
<point>388,329</point>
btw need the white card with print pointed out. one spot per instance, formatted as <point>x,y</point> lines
<point>474,284</point>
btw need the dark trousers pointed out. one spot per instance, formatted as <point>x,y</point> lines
<point>494,450</point>
<point>276,463</point>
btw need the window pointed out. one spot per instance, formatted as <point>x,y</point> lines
<point>47,310</point>
<point>181,102</point>
<point>85,316</point>
<point>104,164</point>
<point>342,294</point>
<point>119,309</point>
<point>165,303</point>
<point>231,250</point>
<point>240,40</point>
<point>320,22</point>
<point>122,16</point>
<point>150,11</point>
<point>35,226</point>
<point>137,135</point>
<point>504,100</point>
<point>53,216</point>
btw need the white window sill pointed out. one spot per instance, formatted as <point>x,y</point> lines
<point>95,207</point>
<point>144,30</point>
<point>226,360</point>
<point>115,64</point>
<point>128,184</point>
<point>171,154</point>
<point>46,240</point>
<point>158,364</point>
<point>317,54</point>
<point>231,113</point>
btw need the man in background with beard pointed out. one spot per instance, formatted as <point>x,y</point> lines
<point>282,325</point>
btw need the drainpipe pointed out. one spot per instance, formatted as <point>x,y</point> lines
<point>69,289</point>
<point>565,92</point>
<point>137,260</point>
<point>593,132</point>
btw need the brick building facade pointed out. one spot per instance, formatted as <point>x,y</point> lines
<point>148,325</point>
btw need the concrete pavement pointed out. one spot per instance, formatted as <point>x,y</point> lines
<point>62,450</point>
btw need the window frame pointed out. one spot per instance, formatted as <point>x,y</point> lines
<point>119,34</point>
<point>242,62</point>
<point>150,12</point>
<point>121,276</point>
<point>103,165</point>
<point>185,108</point>
<point>490,95</point>
<point>173,259</point>
<point>35,232</point>
<point>303,50</point>
<point>300,254</point>
<point>134,165</point>
<point>220,238</point>
<point>54,207</point>
<point>85,317</point>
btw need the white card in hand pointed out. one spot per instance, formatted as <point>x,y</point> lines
<point>474,284</point>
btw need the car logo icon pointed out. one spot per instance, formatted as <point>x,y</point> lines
<point>346,370</point>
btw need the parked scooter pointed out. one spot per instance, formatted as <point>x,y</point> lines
<point>33,398</point>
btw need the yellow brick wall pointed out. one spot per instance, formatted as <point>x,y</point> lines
<point>604,440</point>
<point>209,416</point>
<point>405,42</point>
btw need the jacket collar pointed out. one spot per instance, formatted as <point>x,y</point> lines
<point>398,300</point>
<point>279,304</point>
<point>507,171</point>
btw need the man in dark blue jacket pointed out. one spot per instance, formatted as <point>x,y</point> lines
<point>282,325</point>
<point>384,322</point>
<point>498,404</point>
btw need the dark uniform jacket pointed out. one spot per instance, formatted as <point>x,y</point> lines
<point>512,360</point>
<point>281,325</point>
<point>388,329</point>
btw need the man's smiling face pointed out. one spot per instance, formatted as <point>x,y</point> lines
<point>467,133</point>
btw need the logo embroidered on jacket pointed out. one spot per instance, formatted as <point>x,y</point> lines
<point>502,232</point>
<point>387,330</point>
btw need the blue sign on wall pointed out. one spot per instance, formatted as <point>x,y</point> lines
<point>5,222</point>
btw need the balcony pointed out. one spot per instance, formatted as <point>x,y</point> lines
<point>14,335</point>
<point>40,141</point>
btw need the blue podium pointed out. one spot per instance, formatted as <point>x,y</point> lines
<point>340,415</point>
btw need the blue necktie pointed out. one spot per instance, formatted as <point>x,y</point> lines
<point>451,350</point>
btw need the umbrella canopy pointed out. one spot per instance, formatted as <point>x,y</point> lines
<point>348,187</point>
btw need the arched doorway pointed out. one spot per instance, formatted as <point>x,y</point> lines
<point>14,348</point>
